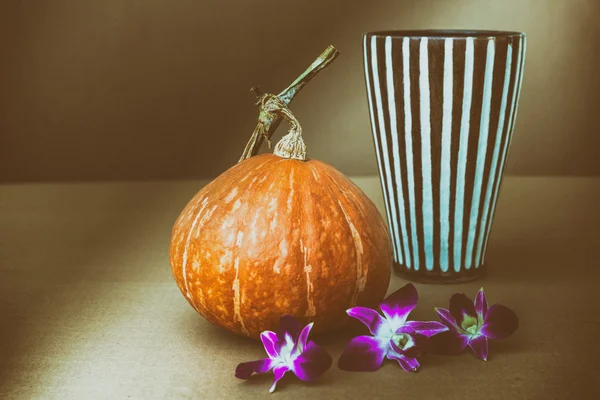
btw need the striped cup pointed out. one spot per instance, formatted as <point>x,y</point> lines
<point>443,106</point>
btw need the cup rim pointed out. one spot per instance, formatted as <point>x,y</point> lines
<point>445,33</point>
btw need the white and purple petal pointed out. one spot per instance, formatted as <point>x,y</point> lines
<point>312,363</point>
<point>399,304</point>
<point>479,345</point>
<point>247,369</point>
<point>406,329</point>
<point>364,353</point>
<point>500,322</point>
<point>279,371</point>
<point>446,318</point>
<point>481,305</point>
<point>427,328</point>
<point>303,337</point>
<point>271,343</point>
<point>408,364</point>
<point>450,342</point>
<point>377,325</point>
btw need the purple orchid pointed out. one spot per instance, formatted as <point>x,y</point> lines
<point>393,336</point>
<point>288,350</point>
<point>473,324</point>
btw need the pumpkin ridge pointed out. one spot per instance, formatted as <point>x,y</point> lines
<point>237,312</point>
<point>307,217</point>
<point>367,209</point>
<point>198,210</point>
<point>257,167</point>
<point>187,245</point>
<point>361,275</point>
<point>266,185</point>
<point>362,202</point>
<point>313,170</point>
<point>335,177</point>
<point>202,218</point>
<point>176,230</point>
<point>207,215</point>
<point>318,171</point>
<point>244,195</point>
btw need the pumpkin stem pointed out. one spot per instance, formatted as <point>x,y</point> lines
<point>291,145</point>
<point>268,117</point>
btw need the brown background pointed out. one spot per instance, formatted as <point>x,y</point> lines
<point>121,89</point>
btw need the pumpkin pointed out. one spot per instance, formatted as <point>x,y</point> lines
<point>279,234</point>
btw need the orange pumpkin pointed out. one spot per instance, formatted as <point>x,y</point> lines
<point>277,234</point>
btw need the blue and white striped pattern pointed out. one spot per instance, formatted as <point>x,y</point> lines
<point>442,115</point>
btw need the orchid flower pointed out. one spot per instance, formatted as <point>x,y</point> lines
<point>288,350</point>
<point>473,324</point>
<point>393,336</point>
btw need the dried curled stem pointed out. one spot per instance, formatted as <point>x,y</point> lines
<point>270,116</point>
<point>291,145</point>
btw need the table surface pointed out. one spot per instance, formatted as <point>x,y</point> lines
<point>88,307</point>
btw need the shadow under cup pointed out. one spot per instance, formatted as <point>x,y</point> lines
<point>443,106</point>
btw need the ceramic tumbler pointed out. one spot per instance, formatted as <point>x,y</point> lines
<point>443,106</point>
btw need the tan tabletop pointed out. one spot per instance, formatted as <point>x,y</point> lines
<point>88,308</point>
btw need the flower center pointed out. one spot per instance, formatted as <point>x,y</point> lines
<point>285,354</point>
<point>470,324</point>
<point>402,340</point>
